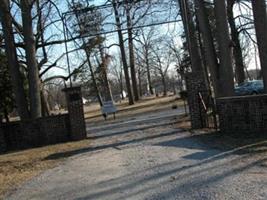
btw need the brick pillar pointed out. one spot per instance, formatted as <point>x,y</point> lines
<point>195,84</point>
<point>76,113</point>
<point>2,141</point>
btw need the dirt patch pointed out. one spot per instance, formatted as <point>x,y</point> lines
<point>18,167</point>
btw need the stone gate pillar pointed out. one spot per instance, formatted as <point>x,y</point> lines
<point>195,84</point>
<point>76,113</point>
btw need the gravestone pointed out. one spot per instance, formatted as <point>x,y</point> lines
<point>76,113</point>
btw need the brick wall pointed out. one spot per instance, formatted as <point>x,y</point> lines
<point>42,131</point>
<point>47,130</point>
<point>246,114</point>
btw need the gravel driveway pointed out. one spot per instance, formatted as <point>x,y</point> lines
<point>149,158</point>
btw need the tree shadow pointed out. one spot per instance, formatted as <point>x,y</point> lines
<point>116,133</point>
<point>238,143</point>
<point>211,164</point>
<point>112,145</point>
<point>234,144</point>
<point>192,177</point>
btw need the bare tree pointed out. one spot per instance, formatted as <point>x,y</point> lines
<point>238,57</point>
<point>260,21</point>
<point>162,64</point>
<point>123,55</point>
<point>14,68</point>
<point>177,54</point>
<point>209,48</point>
<point>105,60</point>
<point>190,31</point>
<point>117,71</point>
<point>146,39</point>
<point>30,51</point>
<point>131,50</point>
<point>226,80</point>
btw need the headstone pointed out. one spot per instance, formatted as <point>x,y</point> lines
<point>76,113</point>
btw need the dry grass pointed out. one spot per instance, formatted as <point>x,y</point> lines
<point>18,167</point>
<point>147,105</point>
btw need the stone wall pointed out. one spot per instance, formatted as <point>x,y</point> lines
<point>195,84</point>
<point>39,132</point>
<point>246,114</point>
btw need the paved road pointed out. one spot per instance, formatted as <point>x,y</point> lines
<point>149,159</point>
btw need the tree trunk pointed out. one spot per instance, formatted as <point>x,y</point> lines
<point>148,73</point>
<point>33,71</point>
<point>208,44</point>
<point>174,88</point>
<point>260,21</point>
<point>140,82</point>
<point>103,68</point>
<point>123,55</point>
<point>45,105</point>
<point>131,53</point>
<point>226,81</point>
<point>94,79</point>
<point>17,82</point>
<point>164,85</point>
<point>190,36</point>
<point>239,64</point>
<point>121,86</point>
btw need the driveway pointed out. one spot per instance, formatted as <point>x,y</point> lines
<point>148,157</point>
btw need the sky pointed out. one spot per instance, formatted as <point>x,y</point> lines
<point>76,58</point>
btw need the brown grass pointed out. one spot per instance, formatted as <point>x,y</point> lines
<point>18,167</point>
<point>147,105</point>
